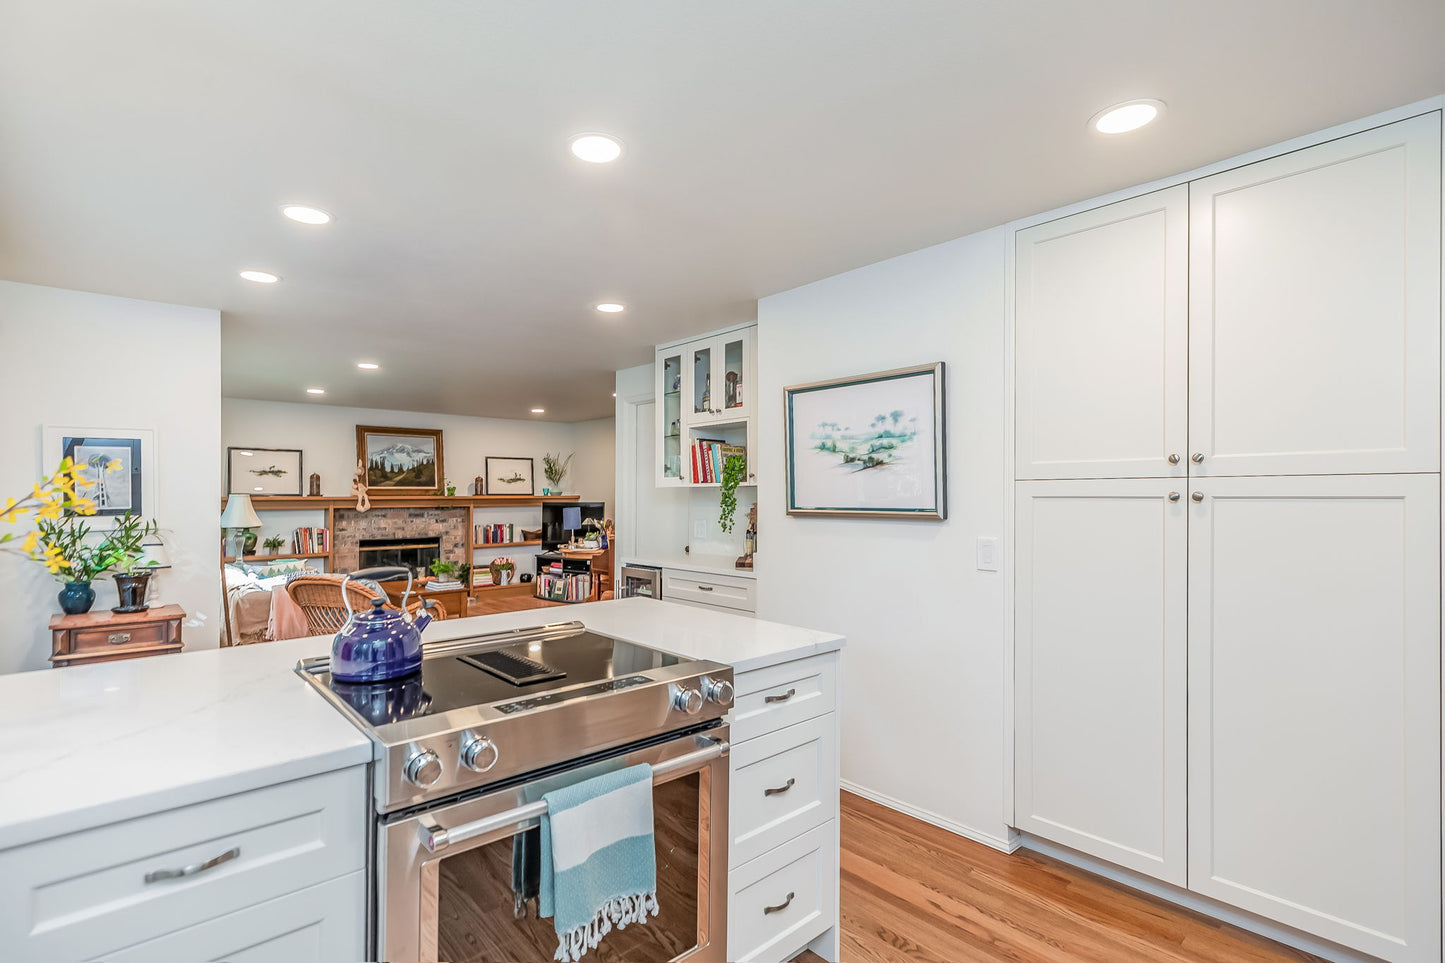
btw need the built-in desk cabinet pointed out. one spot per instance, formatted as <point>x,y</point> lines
<point>1227,579</point>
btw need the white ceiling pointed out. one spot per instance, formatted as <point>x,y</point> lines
<point>146,145</point>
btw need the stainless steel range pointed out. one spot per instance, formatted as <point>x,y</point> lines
<point>463,751</point>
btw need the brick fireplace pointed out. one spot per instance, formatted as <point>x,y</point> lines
<point>351,526</point>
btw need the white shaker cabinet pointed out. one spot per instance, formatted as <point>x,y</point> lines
<point>1100,672</point>
<point>1314,705</point>
<point>1314,316</point>
<point>1102,334</point>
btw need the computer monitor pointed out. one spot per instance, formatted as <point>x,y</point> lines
<point>556,515</point>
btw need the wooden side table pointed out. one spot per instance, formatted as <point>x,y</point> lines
<point>108,636</point>
<point>453,600</point>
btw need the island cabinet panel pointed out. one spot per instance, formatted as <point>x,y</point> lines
<point>1100,709</point>
<point>77,896</point>
<point>319,924</point>
<point>1314,706</point>
<point>783,812</point>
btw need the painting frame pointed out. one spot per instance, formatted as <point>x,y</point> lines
<point>502,465</point>
<point>382,437</point>
<point>266,486</point>
<point>919,388</point>
<point>136,447</point>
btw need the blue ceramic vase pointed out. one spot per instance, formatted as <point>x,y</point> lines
<point>76,598</point>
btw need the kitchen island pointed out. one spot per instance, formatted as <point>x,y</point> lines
<point>105,757</point>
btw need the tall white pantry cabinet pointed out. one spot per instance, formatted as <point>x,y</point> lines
<point>1227,530</point>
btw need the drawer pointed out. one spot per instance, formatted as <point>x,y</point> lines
<point>320,924</point>
<point>783,695</point>
<point>782,784</point>
<point>720,590</point>
<point>785,899</point>
<point>81,894</point>
<point>104,640</point>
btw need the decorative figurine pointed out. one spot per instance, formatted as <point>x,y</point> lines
<point>315,488</point>
<point>731,396</point>
<point>750,540</point>
<point>358,487</point>
<point>477,486</point>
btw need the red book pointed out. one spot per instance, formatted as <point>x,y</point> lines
<point>694,461</point>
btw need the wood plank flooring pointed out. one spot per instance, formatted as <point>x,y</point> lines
<point>913,893</point>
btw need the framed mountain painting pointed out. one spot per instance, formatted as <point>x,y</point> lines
<point>401,461</point>
<point>870,446</point>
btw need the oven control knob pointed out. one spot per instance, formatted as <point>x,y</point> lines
<point>479,753</point>
<point>718,690</point>
<point>686,700</point>
<point>423,769</point>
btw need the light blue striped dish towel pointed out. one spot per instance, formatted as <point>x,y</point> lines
<point>599,862</point>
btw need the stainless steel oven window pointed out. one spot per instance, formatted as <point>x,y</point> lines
<point>459,903</point>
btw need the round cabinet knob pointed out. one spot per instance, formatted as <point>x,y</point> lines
<point>1197,458</point>
<point>686,700</point>
<point>1174,496</point>
<point>423,769</point>
<point>1173,459</point>
<point>1197,496</point>
<point>718,690</point>
<point>479,753</point>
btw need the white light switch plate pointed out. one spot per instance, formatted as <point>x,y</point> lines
<point>699,528</point>
<point>988,555</point>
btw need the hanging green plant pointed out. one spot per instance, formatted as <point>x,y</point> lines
<point>733,470</point>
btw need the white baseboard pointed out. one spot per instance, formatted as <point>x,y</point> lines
<point>1199,904</point>
<point>1003,845</point>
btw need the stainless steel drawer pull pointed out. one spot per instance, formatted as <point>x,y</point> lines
<point>118,638</point>
<point>704,588</point>
<point>780,907</point>
<point>155,876</point>
<point>782,698</point>
<point>779,790</point>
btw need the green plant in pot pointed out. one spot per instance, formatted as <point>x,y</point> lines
<point>274,543</point>
<point>733,470</point>
<point>555,468</point>
<point>443,569</point>
<point>121,553</point>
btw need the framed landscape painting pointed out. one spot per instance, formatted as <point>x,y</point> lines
<point>870,446</point>
<point>509,476</point>
<point>263,471</point>
<point>130,487</point>
<point>401,461</point>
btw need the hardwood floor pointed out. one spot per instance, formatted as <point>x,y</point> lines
<point>913,893</point>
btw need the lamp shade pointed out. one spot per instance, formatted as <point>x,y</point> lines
<point>239,513</point>
<point>153,554</point>
<point>572,517</point>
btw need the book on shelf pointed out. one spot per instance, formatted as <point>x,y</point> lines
<point>564,588</point>
<point>311,541</point>
<point>497,534</point>
<point>709,456</point>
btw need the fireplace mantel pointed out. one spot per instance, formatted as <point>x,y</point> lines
<point>294,502</point>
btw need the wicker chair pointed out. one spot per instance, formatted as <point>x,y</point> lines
<point>320,599</point>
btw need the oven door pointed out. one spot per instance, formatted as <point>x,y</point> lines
<point>450,879</point>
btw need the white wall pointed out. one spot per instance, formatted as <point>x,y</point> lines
<point>326,436</point>
<point>923,673</point>
<point>88,360</point>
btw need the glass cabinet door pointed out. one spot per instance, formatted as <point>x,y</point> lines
<point>669,418</point>
<point>704,401</point>
<point>735,364</point>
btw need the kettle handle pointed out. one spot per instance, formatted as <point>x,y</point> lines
<point>380,573</point>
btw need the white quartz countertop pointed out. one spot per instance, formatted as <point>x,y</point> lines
<point>707,564</point>
<point>88,745</point>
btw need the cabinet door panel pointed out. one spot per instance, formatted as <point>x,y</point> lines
<point>1314,713</point>
<point>1101,340</point>
<point>1100,684</point>
<point>1315,309</point>
<point>673,381</point>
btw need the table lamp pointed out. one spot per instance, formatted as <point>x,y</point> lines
<point>238,516</point>
<point>571,520</point>
<point>153,558</point>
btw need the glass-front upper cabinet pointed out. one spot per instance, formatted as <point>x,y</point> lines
<point>671,388</point>
<point>722,371</point>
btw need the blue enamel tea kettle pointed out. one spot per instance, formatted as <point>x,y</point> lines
<point>380,644</point>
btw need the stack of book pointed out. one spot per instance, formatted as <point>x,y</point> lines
<point>564,588</point>
<point>481,577</point>
<point>438,585</point>
<point>708,457</point>
<point>311,541</point>
<point>493,534</point>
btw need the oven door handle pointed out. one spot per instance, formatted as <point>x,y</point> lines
<point>435,838</point>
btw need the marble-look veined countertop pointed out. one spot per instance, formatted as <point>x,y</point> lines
<point>89,745</point>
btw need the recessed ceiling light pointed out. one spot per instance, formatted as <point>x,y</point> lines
<point>611,307</point>
<point>261,277</point>
<point>539,411</point>
<point>367,365</point>
<point>306,215</point>
<point>596,148</point>
<point>1130,115</point>
<point>316,391</point>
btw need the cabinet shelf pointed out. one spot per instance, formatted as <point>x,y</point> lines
<point>478,546</point>
<point>279,556</point>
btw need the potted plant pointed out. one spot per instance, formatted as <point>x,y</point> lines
<point>274,543</point>
<point>59,539</point>
<point>555,468</point>
<point>502,571</point>
<point>733,469</point>
<point>451,489</point>
<point>444,570</point>
<point>121,553</point>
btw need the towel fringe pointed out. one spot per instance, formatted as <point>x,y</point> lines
<point>620,910</point>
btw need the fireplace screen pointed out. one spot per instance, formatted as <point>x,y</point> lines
<point>416,554</point>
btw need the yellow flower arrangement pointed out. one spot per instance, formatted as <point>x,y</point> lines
<point>54,543</point>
